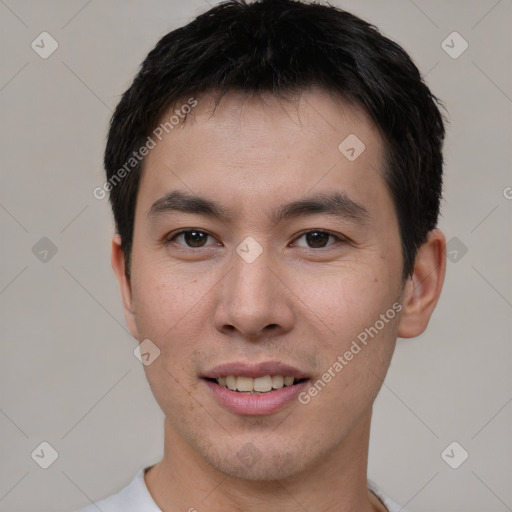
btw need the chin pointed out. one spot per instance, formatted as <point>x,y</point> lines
<point>257,461</point>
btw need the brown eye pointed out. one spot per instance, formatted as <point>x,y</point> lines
<point>195,238</point>
<point>317,239</point>
<point>192,238</point>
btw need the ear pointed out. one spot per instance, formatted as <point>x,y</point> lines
<point>118,264</point>
<point>423,287</point>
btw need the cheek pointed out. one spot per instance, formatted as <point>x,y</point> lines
<point>355,357</point>
<point>345,299</point>
<point>171,311</point>
<point>168,299</point>
<point>356,337</point>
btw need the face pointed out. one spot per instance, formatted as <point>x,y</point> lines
<point>286,260</point>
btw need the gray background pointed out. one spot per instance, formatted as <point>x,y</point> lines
<point>68,374</point>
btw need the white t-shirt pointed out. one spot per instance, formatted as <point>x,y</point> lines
<point>135,497</point>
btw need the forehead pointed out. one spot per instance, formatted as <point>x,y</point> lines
<point>268,149</point>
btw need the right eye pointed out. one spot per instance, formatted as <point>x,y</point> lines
<point>192,238</point>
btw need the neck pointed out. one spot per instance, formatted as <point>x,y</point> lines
<point>336,482</point>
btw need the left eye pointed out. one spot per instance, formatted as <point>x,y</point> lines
<point>317,239</point>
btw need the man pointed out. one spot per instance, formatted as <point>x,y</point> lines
<point>275,172</point>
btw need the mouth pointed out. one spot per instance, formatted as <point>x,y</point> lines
<point>255,386</point>
<point>255,389</point>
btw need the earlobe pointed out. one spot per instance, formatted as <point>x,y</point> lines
<point>424,286</point>
<point>118,265</point>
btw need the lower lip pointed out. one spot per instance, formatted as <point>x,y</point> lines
<point>257,404</point>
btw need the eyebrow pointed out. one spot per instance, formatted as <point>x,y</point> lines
<point>337,204</point>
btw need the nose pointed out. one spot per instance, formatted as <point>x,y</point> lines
<point>253,300</point>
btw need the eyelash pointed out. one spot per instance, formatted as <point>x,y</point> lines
<point>338,238</point>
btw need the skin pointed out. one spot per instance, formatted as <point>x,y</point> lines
<point>301,305</point>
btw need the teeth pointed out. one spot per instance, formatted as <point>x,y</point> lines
<point>244,384</point>
<point>263,384</point>
<point>258,385</point>
<point>230,382</point>
<point>288,381</point>
<point>277,381</point>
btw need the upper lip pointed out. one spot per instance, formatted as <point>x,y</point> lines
<point>240,368</point>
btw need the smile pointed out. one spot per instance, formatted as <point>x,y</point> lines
<point>265,384</point>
